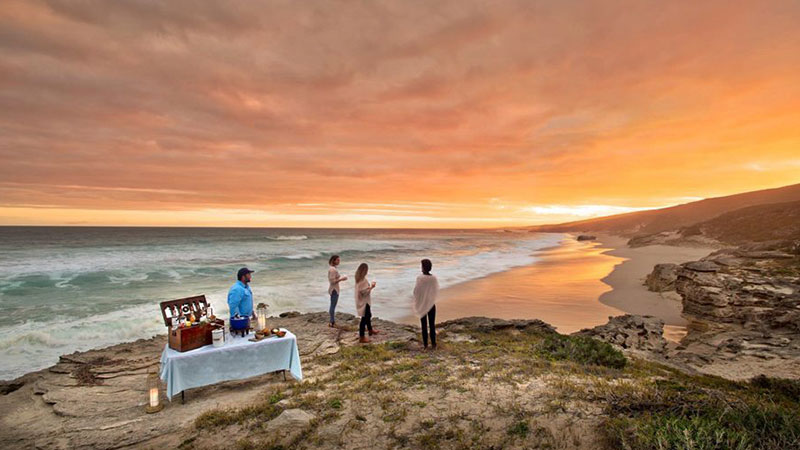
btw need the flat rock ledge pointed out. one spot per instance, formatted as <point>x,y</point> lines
<point>486,324</point>
<point>631,332</point>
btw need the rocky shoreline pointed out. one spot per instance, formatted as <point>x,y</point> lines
<point>96,399</point>
<point>742,304</point>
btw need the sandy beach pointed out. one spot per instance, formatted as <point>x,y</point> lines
<point>628,292</point>
<point>574,285</point>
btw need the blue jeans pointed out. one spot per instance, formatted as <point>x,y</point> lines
<point>334,301</point>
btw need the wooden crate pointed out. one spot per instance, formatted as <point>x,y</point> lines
<point>188,338</point>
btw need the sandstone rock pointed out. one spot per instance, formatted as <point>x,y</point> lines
<point>291,419</point>
<point>485,324</point>
<point>652,239</point>
<point>767,254</point>
<point>645,333</point>
<point>7,387</point>
<point>702,266</point>
<point>662,278</point>
<point>743,308</point>
<point>733,294</point>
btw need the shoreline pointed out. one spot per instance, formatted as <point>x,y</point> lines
<point>561,288</point>
<point>628,291</point>
<point>574,285</point>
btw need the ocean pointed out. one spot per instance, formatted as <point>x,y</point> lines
<point>66,289</point>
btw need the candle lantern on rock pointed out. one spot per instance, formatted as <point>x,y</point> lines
<point>153,393</point>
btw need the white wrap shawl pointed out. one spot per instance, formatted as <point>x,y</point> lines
<point>425,293</point>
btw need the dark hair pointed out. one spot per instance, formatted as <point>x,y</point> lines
<point>427,265</point>
<point>361,272</point>
<point>332,259</point>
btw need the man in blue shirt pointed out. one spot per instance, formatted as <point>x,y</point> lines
<point>240,297</point>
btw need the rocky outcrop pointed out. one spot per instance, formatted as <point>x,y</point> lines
<point>743,309</point>
<point>629,332</point>
<point>662,278</point>
<point>487,324</point>
<point>745,288</point>
<point>586,237</point>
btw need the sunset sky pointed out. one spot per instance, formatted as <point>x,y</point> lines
<point>390,113</point>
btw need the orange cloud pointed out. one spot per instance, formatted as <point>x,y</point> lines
<point>128,112</point>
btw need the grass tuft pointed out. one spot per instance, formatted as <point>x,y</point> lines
<point>704,413</point>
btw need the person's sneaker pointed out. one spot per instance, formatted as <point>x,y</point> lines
<point>332,325</point>
<point>374,332</point>
<point>363,340</point>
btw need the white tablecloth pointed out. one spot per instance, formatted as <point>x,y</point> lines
<point>237,359</point>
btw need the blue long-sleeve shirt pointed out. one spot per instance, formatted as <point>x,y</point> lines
<point>240,300</point>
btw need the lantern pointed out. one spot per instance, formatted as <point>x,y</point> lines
<point>153,397</point>
<point>261,314</point>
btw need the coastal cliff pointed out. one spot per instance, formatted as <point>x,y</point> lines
<point>491,384</point>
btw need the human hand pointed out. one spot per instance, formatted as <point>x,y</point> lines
<point>374,284</point>
<point>343,279</point>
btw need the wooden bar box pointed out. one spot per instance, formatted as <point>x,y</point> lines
<point>188,338</point>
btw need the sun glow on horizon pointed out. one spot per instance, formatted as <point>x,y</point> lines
<point>312,215</point>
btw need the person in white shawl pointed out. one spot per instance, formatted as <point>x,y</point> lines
<point>425,292</point>
<point>364,302</point>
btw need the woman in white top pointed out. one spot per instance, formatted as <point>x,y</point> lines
<point>364,302</point>
<point>333,289</point>
<point>425,293</point>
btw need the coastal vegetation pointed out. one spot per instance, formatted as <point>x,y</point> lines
<point>513,387</point>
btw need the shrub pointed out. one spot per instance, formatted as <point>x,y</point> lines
<point>582,350</point>
<point>520,429</point>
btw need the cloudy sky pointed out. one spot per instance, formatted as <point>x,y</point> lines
<point>390,113</point>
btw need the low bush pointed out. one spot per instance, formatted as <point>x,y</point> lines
<point>581,350</point>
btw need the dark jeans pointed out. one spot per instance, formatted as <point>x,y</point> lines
<point>424,321</point>
<point>366,322</point>
<point>334,301</point>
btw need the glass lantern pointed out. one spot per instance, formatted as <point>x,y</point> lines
<point>261,316</point>
<point>153,392</point>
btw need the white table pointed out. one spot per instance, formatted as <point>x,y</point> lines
<point>238,359</point>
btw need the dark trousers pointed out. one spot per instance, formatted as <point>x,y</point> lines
<point>424,321</point>
<point>332,310</point>
<point>366,322</point>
